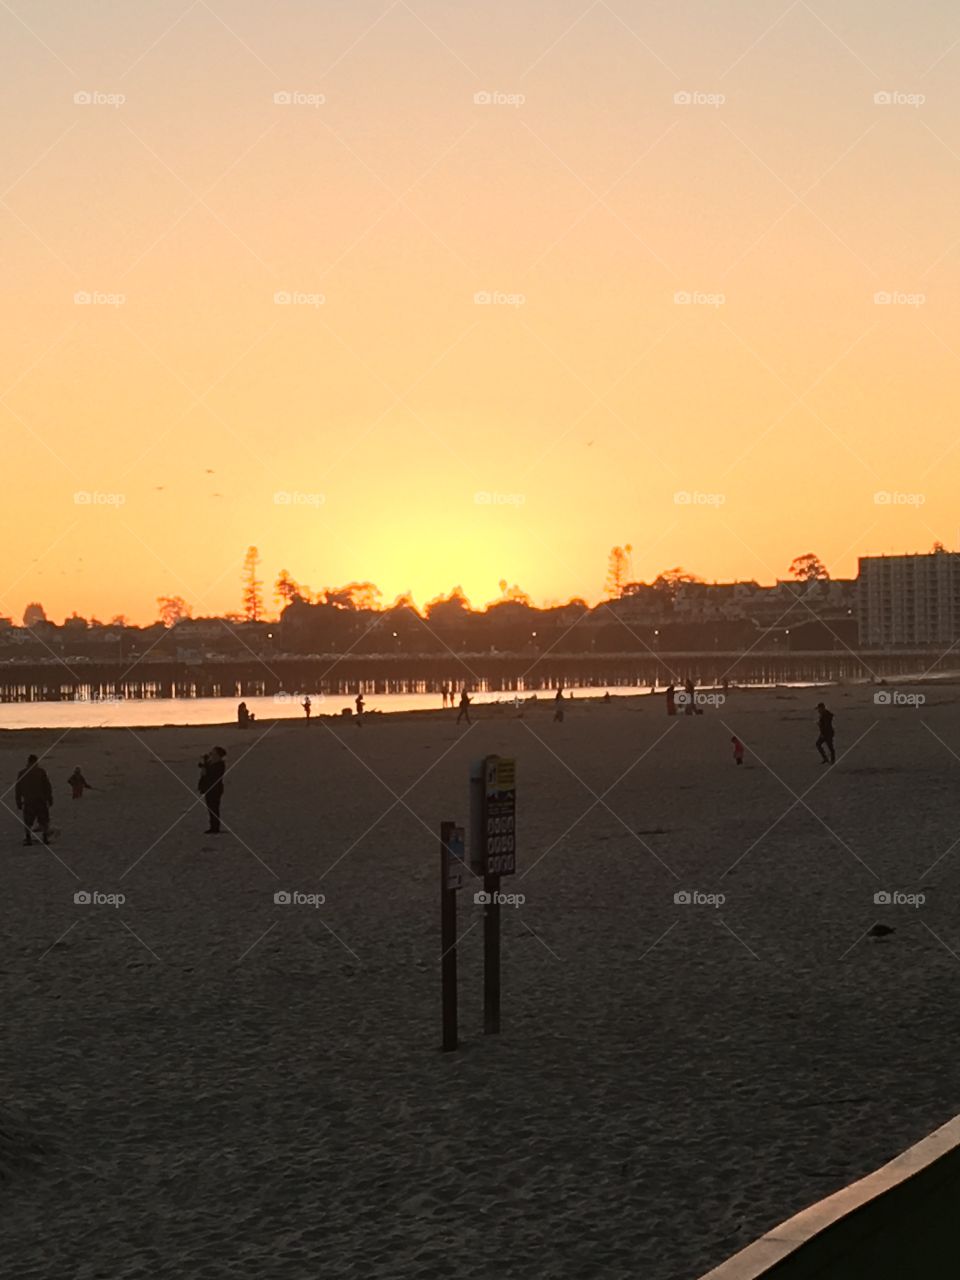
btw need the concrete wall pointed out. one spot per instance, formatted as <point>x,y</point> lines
<point>901,1222</point>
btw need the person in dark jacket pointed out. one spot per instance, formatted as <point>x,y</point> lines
<point>212,769</point>
<point>34,796</point>
<point>78,784</point>
<point>825,725</point>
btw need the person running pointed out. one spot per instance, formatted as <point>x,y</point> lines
<point>359,704</point>
<point>307,704</point>
<point>212,769</point>
<point>464,712</point>
<point>34,796</point>
<point>78,784</point>
<point>738,750</point>
<point>558,705</point>
<point>671,696</point>
<point>825,725</point>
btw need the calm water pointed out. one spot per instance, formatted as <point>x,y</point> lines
<point>146,712</point>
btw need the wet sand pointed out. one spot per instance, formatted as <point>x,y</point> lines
<point>201,1082</point>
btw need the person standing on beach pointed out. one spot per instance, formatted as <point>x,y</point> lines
<point>558,705</point>
<point>671,696</point>
<point>444,690</point>
<point>738,750</point>
<point>307,704</point>
<point>359,704</point>
<point>212,769</point>
<point>690,689</point>
<point>34,796</point>
<point>464,711</point>
<point>825,725</point>
<point>78,784</point>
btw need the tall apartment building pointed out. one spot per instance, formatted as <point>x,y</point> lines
<point>909,601</point>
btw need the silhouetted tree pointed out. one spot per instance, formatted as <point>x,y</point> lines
<point>668,581</point>
<point>286,590</point>
<point>33,614</point>
<point>808,568</point>
<point>252,586</point>
<point>937,547</point>
<point>355,595</point>
<point>451,608</point>
<point>172,609</point>
<point>618,570</point>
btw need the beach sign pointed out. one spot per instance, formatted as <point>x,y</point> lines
<point>455,848</point>
<point>499,823</point>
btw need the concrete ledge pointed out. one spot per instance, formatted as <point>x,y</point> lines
<point>901,1220</point>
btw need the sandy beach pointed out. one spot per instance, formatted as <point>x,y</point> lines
<point>199,1082</point>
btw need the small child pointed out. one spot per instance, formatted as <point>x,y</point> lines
<point>79,784</point>
<point>738,749</point>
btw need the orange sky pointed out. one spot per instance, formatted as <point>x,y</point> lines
<point>385,425</point>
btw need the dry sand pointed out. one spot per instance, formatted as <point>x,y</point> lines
<point>201,1083</point>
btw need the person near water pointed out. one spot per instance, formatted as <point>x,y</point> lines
<point>738,750</point>
<point>359,704</point>
<point>464,712</point>
<point>307,704</point>
<point>212,769</point>
<point>558,705</point>
<point>244,718</point>
<point>671,696</point>
<point>78,784</point>
<point>445,691</point>
<point>34,796</point>
<point>825,725</point>
<point>690,703</point>
<point>606,696</point>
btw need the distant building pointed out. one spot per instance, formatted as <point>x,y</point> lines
<point>911,600</point>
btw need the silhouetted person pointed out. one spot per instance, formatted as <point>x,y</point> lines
<point>690,689</point>
<point>606,696</point>
<point>671,696</point>
<point>359,704</point>
<point>825,725</point>
<point>307,704</point>
<point>212,769</point>
<point>78,784</point>
<point>243,716</point>
<point>34,796</point>
<point>445,691</point>
<point>558,706</point>
<point>464,712</point>
<point>738,750</point>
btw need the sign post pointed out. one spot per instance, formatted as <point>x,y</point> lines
<point>493,794</point>
<point>451,879</point>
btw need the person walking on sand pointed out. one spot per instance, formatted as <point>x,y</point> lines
<point>307,704</point>
<point>464,712</point>
<point>78,784</point>
<point>359,704</point>
<point>671,696</point>
<point>212,769</point>
<point>825,725</point>
<point>445,691</point>
<point>738,750</point>
<point>34,796</point>
<point>558,705</point>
